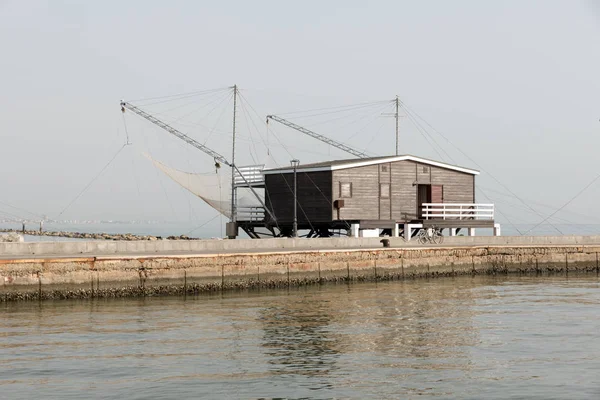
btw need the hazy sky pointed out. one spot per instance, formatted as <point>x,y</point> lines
<point>514,84</point>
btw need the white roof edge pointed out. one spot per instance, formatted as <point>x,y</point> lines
<point>300,169</point>
<point>365,163</point>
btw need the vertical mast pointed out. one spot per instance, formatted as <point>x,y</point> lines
<point>396,115</point>
<point>233,191</point>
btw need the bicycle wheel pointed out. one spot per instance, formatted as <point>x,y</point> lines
<point>438,238</point>
<point>422,237</point>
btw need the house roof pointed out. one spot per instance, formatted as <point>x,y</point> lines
<point>362,162</point>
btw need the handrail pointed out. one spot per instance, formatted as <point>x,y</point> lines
<point>458,211</point>
<point>251,213</point>
<point>250,174</point>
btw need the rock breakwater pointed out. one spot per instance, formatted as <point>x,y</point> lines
<point>95,236</point>
<point>11,237</point>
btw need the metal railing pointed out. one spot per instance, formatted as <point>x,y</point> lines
<point>458,211</point>
<point>252,173</point>
<point>253,214</point>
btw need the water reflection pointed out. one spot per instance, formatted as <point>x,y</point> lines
<point>423,320</point>
<point>450,338</point>
<point>298,338</point>
<point>389,326</point>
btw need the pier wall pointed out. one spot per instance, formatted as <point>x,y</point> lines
<point>73,248</point>
<point>143,275</point>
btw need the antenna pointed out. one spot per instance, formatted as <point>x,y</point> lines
<point>397,101</point>
<point>397,116</point>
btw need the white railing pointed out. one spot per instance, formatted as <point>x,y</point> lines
<point>252,174</point>
<point>250,213</point>
<point>458,211</point>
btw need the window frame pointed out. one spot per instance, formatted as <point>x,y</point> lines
<point>349,196</point>
<point>387,193</point>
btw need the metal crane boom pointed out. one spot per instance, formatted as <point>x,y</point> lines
<point>317,136</point>
<point>219,158</point>
<point>173,131</point>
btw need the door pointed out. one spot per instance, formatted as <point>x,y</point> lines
<point>437,194</point>
<point>437,197</point>
<point>423,196</point>
<point>430,194</point>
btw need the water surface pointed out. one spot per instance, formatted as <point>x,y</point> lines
<point>462,337</point>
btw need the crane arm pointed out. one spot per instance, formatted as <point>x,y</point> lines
<point>175,132</point>
<point>317,136</point>
<point>196,144</point>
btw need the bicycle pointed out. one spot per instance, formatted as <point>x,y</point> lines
<point>430,235</point>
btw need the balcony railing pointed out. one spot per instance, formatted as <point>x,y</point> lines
<point>252,175</point>
<point>465,211</point>
<point>253,214</point>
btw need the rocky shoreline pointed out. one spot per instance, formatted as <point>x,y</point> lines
<point>95,236</point>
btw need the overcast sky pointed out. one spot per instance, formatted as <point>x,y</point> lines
<point>514,84</point>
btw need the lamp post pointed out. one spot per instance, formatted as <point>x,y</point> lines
<point>295,164</point>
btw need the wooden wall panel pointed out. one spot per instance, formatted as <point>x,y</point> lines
<point>314,196</point>
<point>458,186</point>
<point>364,203</point>
<point>385,203</point>
<point>423,173</point>
<point>404,193</point>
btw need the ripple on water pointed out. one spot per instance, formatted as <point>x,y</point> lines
<point>480,337</point>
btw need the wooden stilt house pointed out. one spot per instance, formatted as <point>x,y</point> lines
<point>379,192</point>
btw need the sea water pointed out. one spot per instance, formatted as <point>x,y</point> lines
<point>464,337</point>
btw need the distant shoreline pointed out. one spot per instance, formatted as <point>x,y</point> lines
<point>94,236</point>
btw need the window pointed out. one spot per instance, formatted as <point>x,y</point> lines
<point>345,189</point>
<point>384,168</point>
<point>425,169</point>
<point>384,190</point>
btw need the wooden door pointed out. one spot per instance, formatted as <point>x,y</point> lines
<point>437,197</point>
<point>423,196</point>
<point>437,194</point>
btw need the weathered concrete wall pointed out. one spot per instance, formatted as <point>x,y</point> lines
<point>109,276</point>
<point>167,246</point>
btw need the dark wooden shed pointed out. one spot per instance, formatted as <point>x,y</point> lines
<point>379,191</point>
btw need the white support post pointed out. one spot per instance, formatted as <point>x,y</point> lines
<point>396,230</point>
<point>452,231</point>
<point>408,228</point>
<point>471,231</point>
<point>354,230</point>
<point>497,230</point>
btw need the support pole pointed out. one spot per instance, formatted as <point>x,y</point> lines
<point>497,230</point>
<point>233,234</point>
<point>397,116</point>
<point>295,226</point>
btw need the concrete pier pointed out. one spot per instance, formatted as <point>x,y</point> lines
<point>118,269</point>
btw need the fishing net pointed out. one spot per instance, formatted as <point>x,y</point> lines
<point>212,187</point>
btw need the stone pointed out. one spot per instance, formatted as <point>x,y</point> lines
<point>12,237</point>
